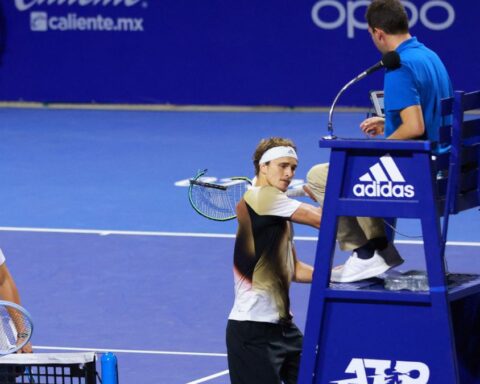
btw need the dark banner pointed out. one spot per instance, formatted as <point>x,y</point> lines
<point>213,52</point>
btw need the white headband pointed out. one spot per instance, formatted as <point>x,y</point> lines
<point>276,153</point>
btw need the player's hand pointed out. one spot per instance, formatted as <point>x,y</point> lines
<point>27,348</point>
<point>373,126</point>
<point>309,192</point>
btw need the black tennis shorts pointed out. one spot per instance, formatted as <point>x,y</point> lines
<point>263,353</point>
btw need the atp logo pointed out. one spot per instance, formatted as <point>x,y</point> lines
<point>370,371</point>
<point>384,179</point>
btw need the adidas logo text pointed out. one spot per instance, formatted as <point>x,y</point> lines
<point>386,189</point>
<point>383,179</point>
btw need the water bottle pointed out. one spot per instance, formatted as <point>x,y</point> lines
<point>109,368</point>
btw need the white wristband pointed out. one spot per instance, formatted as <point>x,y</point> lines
<point>296,192</point>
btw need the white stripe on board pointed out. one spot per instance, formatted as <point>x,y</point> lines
<point>208,378</point>
<point>137,351</point>
<point>106,232</point>
<point>378,173</point>
<point>392,169</point>
<point>365,177</point>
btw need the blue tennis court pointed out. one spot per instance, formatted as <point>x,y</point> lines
<point>109,256</point>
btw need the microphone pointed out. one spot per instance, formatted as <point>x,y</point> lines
<point>390,60</point>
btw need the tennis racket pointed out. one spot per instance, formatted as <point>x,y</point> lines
<point>217,201</point>
<point>16,327</point>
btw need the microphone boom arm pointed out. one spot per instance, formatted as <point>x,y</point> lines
<point>390,60</point>
<point>330,113</point>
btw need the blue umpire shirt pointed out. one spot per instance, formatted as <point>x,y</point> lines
<point>421,80</point>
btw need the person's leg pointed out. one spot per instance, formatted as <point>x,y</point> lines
<point>364,236</point>
<point>375,232</point>
<point>292,339</point>
<point>349,233</point>
<point>372,259</point>
<point>372,227</point>
<point>249,359</point>
<point>317,181</point>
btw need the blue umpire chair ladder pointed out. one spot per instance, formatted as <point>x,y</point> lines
<point>361,333</point>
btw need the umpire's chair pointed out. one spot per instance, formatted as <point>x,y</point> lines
<point>362,333</point>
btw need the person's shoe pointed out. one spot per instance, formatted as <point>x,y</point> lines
<point>356,269</point>
<point>391,256</point>
<point>336,273</point>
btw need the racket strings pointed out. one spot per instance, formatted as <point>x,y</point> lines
<point>16,329</point>
<point>219,204</point>
<point>212,200</point>
<point>236,192</point>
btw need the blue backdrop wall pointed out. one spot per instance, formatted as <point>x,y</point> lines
<point>214,52</point>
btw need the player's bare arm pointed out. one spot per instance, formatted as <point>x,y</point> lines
<point>303,272</point>
<point>308,214</point>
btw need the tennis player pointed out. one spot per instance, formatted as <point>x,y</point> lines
<point>9,292</point>
<point>263,343</point>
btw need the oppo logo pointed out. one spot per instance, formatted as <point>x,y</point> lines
<point>24,5</point>
<point>346,14</point>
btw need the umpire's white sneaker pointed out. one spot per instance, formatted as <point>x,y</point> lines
<point>356,269</point>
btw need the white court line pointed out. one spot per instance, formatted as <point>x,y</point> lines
<point>208,378</point>
<point>136,351</point>
<point>106,232</point>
